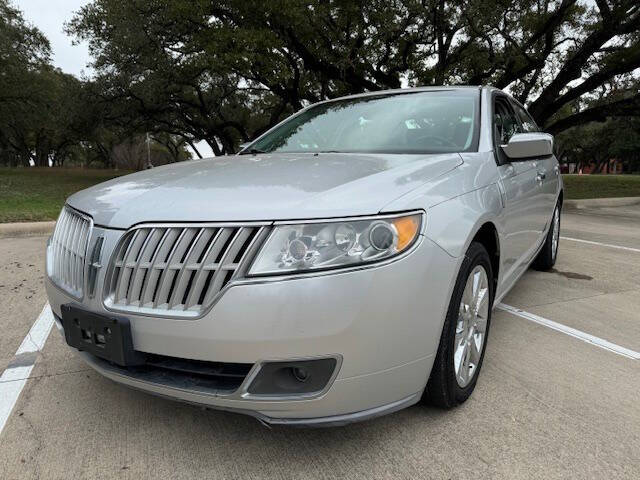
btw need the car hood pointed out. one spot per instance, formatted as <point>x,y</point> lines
<point>260,187</point>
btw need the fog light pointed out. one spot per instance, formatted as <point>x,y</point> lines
<point>302,377</point>
<point>300,374</point>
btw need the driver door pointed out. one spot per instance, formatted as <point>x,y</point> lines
<point>520,190</point>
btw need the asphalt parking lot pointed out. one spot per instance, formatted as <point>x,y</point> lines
<point>547,404</point>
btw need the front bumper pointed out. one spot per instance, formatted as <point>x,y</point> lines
<point>383,322</point>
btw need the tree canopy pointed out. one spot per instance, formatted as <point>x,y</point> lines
<point>225,71</point>
<point>49,117</point>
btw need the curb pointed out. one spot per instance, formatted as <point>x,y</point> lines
<point>26,229</point>
<point>600,203</point>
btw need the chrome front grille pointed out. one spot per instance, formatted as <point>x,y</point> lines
<point>67,251</point>
<point>177,270</point>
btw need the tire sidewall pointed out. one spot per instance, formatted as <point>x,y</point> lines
<point>546,258</point>
<point>476,255</point>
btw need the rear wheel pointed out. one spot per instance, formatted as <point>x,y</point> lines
<point>464,334</point>
<point>546,259</point>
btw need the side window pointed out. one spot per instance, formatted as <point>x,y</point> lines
<point>528,125</point>
<point>505,122</point>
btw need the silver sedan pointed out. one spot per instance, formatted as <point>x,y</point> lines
<point>344,265</point>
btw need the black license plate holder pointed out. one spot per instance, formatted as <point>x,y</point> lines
<point>106,337</point>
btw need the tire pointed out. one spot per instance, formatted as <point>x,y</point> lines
<point>445,387</point>
<point>547,256</point>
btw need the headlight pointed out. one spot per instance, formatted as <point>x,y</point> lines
<point>322,245</point>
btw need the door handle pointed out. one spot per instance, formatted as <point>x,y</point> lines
<point>541,176</point>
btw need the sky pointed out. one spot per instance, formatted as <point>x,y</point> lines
<point>49,16</point>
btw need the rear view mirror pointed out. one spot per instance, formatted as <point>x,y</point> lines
<point>523,146</point>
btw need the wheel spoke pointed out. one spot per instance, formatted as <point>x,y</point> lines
<point>461,355</point>
<point>477,281</point>
<point>466,360</point>
<point>481,301</point>
<point>467,294</point>
<point>474,352</point>
<point>481,324</point>
<point>471,325</point>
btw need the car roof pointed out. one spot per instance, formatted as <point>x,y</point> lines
<point>398,91</point>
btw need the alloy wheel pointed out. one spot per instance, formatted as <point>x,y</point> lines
<point>471,326</point>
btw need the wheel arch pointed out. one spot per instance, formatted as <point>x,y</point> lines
<point>487,236</point>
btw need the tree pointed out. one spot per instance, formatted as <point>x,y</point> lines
<point>24,52</point>
<point>225,71</point>
<point>598,143</point>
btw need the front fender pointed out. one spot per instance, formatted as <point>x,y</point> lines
<point>453,224</point>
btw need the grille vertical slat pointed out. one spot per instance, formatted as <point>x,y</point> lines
<point>181,278</point>
<point>199,279</point>
<point>68,234</point>
<point>83,239</point>
<point>59,239</point>
<point>66,261</point>
<point>165,284</point>
<point>147,252</point>
<point>223,267</point>
<point>123,278</point>
<point>146,293</point>
<point>68,250</point>
<point>176,270</point>
<point>73,257</point>
<point>135,273</point>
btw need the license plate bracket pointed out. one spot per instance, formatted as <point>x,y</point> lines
<point>106,337</point>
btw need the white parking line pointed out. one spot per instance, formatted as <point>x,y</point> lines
<point>15,376</point>
<point>620,247</point>
<point>580,335</point>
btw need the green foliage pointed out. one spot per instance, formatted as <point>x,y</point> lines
<point>49,117</point>
<point>597,143</point>
<point>225,71</point>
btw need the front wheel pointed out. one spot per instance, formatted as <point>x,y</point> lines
<point>546,259</point>
<point>464,334</point>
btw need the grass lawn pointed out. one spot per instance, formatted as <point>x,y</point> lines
<point>601,186</point>
<point>33,194</point>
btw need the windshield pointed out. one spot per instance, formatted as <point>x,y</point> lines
<point>441,121</point>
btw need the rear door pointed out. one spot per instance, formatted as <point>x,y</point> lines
<point>520,189</point>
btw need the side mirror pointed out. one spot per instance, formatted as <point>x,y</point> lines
<point>523,146</point>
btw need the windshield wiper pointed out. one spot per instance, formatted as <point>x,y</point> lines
<point>253,151</point>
